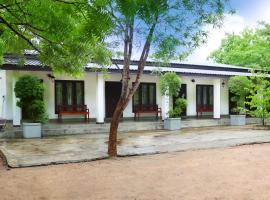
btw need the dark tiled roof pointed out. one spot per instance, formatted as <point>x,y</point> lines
<point>31,63</point>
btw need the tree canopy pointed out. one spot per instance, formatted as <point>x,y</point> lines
<point>250,48</point>
<point>173,27</point>
<point>65,34</point>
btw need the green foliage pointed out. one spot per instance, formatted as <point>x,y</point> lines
<point>250,48</point>
<point>259,98</point>
<point>240,86</point>
<point>66,34</point>
<point>178,25</point>
<point>180,105</point>
<point>170,84</point>
<point>29,90</point>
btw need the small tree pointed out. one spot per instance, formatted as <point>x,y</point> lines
<point>240,86</point>
<point>260,98</point>
<point>29,90</point>
<point>170,84</point>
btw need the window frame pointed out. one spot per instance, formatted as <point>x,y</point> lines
<point>209,87</point>
<point>64,92</point>
<point>139,90</point>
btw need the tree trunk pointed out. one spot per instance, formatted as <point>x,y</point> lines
<point>126,94</point>
<point>112,144</point>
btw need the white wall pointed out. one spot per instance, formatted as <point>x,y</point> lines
<point>224,108</point>
<point>191,93</point>
<point>90,84</point>
<point>9,95</point>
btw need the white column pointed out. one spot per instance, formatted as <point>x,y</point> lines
<point>16,111</point>
<point>100,99</point>
<point>1,98</point>
<point>191,98</point>
<point>216,98</point>
<point>165,106</point>
<point>3,95</point>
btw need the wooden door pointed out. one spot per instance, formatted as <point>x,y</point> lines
<point>112,95</point>
<point>204,97</point>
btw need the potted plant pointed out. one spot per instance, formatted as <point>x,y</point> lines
<point>29,90</point>
<point>170,84</point>
<point>173,122</point>
<point>240,87</point>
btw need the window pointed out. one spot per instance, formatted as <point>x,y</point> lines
<point>204,95</point>
<point>145,94</point>
<point>68,93</point>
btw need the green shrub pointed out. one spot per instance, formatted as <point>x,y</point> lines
<point>29,90</point>
<point>259,98</point>
<point>180,105</point>
<point>240,86</point>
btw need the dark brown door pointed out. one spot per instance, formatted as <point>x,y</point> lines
<point>204,97</point>
<point>112,95</point>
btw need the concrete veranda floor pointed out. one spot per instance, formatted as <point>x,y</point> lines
<point>78,148</point>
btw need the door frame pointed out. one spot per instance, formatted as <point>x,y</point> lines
<point>205,85</point>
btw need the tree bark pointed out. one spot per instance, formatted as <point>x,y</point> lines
<point>112,144</point>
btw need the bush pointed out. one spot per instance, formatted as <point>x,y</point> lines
<point>29,90</point>
<point>240,86</point>
<point>180,105</point>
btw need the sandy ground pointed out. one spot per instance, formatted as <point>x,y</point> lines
<point>1,164</point>
<point>232,173</point>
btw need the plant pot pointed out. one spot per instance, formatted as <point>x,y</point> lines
<point>172,123</point>
<point>238,120</point>
<point>32,130</point>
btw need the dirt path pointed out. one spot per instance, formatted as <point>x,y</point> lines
<point>233,173</point>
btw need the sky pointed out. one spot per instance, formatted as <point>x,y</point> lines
<point>248,13</point>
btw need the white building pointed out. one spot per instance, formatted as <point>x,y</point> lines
<point>204,87</point>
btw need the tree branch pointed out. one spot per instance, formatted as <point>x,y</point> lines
<point>142,61</point>
<point>18,33</point>
<point>128,46</point>
<point>70,2</point>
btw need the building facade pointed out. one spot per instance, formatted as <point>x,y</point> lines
<point>202,85</point>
